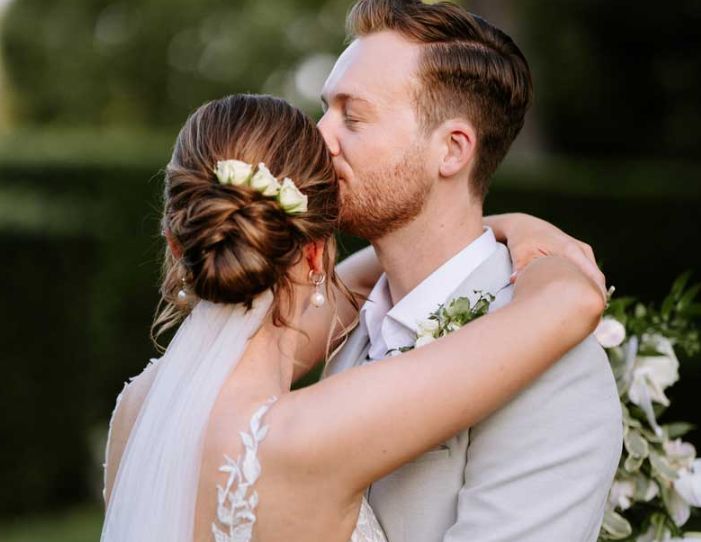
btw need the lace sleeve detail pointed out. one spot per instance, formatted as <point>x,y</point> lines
<point>237,500</point>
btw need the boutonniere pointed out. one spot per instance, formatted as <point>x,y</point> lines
<point>447,318</point>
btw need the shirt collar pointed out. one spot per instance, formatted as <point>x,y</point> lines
<point>435,289</point>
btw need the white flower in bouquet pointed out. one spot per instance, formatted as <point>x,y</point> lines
<point>651,535</point>
<point>234,172</point>
<point>679,509</point>
<point>265,182</point>
<point>610,332</point>
<point>680,454</point>
<point>653,374</point>
<point>688,485</point>
<point>622,493</point>
<point>659,477</point>
<point>291,199</point>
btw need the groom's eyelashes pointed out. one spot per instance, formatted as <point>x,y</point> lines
<point>350,121</point>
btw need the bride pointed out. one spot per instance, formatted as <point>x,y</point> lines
<point>209,442</point>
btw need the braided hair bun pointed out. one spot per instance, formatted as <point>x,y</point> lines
<point>236,243</point>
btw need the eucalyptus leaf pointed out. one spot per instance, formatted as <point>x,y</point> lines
<point>616,526</point>
<point>632,464</point>
<point>678,429</point>
<point>661,466</point>
<point>636,445</point>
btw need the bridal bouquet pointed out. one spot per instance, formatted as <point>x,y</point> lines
<point>659,477</point>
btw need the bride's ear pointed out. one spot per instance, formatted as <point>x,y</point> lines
<point>314,255</point>
<point>173,244</point>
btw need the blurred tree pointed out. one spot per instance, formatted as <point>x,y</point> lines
<point>617,77</point>
<point>149,62</point>
<point>611,76</point>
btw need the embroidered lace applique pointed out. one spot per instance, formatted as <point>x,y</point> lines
<point>236,508</point>
<point>368,529</point>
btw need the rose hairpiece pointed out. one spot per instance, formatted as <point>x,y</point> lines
<point>238,173</point>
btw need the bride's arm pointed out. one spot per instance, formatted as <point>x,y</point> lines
<point>124,415</point>
<point>529,237</point>
<point>355,427</point>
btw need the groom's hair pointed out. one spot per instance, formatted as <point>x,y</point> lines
<point>468,69</point>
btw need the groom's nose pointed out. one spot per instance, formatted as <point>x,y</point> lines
<point>326,128</point>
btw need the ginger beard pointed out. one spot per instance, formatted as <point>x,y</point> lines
<point>382,200</point>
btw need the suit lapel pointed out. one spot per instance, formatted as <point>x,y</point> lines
<point>492,276</point>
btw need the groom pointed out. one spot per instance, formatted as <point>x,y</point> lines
<point>419,111</point>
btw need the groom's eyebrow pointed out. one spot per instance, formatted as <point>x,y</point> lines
<point>344,98</point>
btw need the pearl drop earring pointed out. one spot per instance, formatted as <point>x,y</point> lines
<point>182,294</point>
<point>317,279</point>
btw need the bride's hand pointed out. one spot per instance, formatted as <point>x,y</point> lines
<point>565,283</point>
<point>529,237</point>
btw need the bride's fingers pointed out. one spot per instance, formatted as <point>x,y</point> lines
<point>578,253</point>
<point>584,259</point>
<point>594,272</point>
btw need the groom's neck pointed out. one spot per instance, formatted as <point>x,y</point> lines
<point>413,252</point>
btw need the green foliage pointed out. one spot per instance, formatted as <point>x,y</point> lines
<point>615,76</point>
<point>676,318</point>
<point>604,72</point>
<point>149,63</point>
<point>81,524</point>
<point>645,500</point>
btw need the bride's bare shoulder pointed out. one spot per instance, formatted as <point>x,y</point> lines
<point>127,407</point>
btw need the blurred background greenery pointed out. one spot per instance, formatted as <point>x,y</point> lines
<point>92,93</point>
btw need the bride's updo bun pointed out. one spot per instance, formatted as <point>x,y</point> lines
<point>235,242</point>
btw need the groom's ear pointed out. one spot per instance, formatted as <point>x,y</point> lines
<point>458,144</point>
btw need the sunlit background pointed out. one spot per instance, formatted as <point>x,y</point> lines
<point>92,93</point>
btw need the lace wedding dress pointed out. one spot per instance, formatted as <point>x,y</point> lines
<point>154,493</point>
<point>237,499</point>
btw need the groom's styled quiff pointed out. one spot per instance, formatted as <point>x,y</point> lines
<point>468,68</point>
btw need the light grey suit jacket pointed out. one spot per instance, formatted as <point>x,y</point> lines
<point>537,470</point>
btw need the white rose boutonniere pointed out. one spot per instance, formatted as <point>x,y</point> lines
<point>291,199</point>
<point>448,318</point>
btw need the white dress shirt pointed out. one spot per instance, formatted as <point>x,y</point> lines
<point>391,327</point>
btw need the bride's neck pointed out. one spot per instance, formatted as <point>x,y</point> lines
<point>269,358</point>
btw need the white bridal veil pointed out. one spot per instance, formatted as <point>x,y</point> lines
<point>154,493</point>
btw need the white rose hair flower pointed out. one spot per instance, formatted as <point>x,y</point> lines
<point>238,173</point>
<point>265,182</point>
<point>233,172</point>
<point>291,199</point>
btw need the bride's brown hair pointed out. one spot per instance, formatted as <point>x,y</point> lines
<point>235,242</point>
